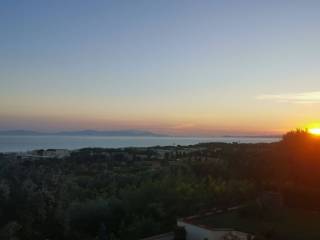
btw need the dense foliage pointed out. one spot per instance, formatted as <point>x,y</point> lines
<point>133,193</point>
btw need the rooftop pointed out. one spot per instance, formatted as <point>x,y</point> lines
<point>290,224</point>
<point>165,236</point>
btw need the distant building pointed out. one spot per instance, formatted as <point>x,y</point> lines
<point>49,153</point>
<point>163,153</point>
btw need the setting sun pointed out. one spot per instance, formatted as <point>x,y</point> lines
<point>314,131</point>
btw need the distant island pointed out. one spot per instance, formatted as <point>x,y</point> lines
<point>113,133</point>
<point>252,136</point>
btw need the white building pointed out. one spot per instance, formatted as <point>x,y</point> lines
<point>201,232</point>
<point>196,231</point>
<point>165,236</point>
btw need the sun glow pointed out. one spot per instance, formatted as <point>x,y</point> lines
<point>314,131</point>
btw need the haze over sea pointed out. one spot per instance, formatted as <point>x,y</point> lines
<point>26,143</point>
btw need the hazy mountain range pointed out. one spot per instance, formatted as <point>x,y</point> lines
<point>113,133</point>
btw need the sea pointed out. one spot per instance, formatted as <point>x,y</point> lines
<point>27,143</point>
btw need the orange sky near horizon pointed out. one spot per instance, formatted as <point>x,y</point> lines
<point>179,127</point>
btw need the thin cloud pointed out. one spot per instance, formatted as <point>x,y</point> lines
<point>302,98</point>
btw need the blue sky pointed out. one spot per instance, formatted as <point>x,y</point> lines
<point>184,67</point>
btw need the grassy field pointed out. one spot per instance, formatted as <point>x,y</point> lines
<point>283,224</point>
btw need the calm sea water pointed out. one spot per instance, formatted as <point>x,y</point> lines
<point>25,143</point>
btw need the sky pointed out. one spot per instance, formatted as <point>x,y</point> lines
<point>176,67</point>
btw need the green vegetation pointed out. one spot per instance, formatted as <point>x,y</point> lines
<point>137,192</point>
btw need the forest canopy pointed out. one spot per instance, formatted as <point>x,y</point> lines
<point>136,192</point>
